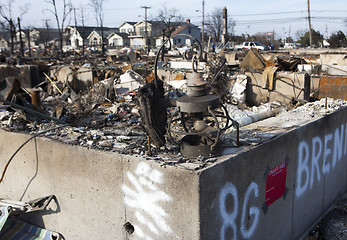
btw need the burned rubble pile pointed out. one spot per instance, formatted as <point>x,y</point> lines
<point>99,104</point>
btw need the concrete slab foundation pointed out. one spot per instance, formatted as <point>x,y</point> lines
<point>275,190</point>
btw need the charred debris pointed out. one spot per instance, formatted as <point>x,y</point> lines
<point>130,102</point>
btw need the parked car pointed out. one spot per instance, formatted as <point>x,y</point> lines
<point>249,45</point>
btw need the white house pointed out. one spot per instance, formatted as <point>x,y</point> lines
<point>153,29</point>
<point>118,39</point>
<point>3,43</point>
<point>127,27</point>
<point>74,37</point>
<point>94,39</point>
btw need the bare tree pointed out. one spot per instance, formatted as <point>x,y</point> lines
<point>168,17</point>
<point>214,25</point>
<point>45,35</point>
<point>10,24</point>
<point>97,6</point>
<point>82,18</point>
<point>67,8</point>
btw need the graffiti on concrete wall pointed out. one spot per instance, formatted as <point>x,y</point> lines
<point>145,197</point>
<point>249,214</point>
<point>318,157</point>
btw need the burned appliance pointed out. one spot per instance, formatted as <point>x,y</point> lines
<point>197,119</point>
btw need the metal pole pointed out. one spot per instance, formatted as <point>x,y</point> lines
<point>76,40</point>
<point>225,26</point>
<point>309,22</point>
<point>146,35</point>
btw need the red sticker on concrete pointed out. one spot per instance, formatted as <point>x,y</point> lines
<point>275,183</point>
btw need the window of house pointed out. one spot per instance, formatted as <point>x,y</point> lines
<point>142,30</point>
<point>189,30</point>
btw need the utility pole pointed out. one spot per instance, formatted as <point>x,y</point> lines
<point>76,40</point>
<point>47,33</point>
<point>20,38</point>
<point>146,35</point>
<point>225,27</point>
<point>309,22</point>
<point>203,25</point>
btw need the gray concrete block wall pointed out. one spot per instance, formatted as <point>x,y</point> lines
<point>233,192</point>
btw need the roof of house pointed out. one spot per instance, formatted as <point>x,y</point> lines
<point>87,30</point>
<point>122,35</point>
<point>131,23</point>
<point>176,28</point>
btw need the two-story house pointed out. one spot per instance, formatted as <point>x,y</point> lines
<point>179,28</point>
<point>127,27</point>
<point>138,40</point>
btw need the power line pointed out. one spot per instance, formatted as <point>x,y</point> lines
<point>280,13</point>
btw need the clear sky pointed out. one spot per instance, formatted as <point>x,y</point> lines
<point>250,16</point>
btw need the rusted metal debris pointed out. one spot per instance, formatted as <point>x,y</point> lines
<point>333,86</point>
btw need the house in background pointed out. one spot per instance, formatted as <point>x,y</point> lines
<point>95,39</point>
<point>118,40</point>
<point>129,34</point>
<point>74,37</point>
<point>127,27</point>
<point>153,28</point>
<point>4,43</point>
<point>185,28</point>
<point>179,28</point>
<point>34,37</point>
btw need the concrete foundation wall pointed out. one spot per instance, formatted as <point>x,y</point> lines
<point>311,174</point>
<point>276,190</point>
<point>98,192</point>
<point>27,75</point>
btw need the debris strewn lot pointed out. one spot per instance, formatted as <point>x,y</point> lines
<point>98,100</point>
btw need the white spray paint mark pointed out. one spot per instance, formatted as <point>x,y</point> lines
<point>315,158</point>
<point>229,218</point>
<point>338,143</point>
<point>327,151</point>
<point>302,168</point>
<point>145,197</point>
<point>325,157</point>
<point>252,211</point>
